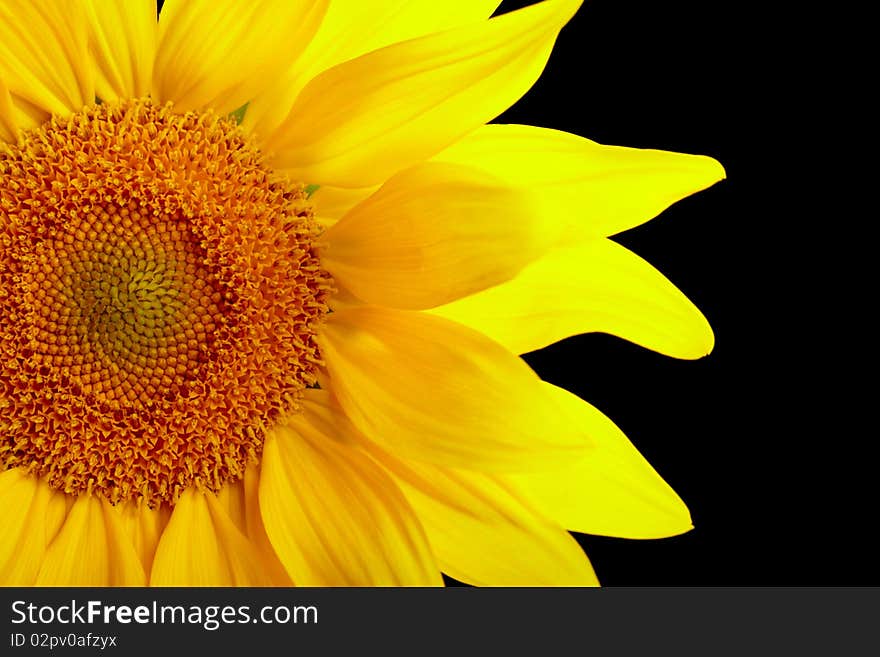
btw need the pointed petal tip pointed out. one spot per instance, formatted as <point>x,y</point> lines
<point>611,490</point>
<point>711,170</point>
<point>563,9</point>
<point>702,341</point>
<point>720,171</point>
<point>680,521</point>
<point>710,343</point>
<point>701,171</point>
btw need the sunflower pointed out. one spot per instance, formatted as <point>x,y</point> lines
<point>265,272</point>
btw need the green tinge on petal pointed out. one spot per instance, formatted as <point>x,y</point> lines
<point>238,115</point>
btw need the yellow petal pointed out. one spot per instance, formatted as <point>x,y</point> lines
<point>574,183</point>
<point>334,517</point>
<point>256,530</point>
<point>8,125</point>
<point>239,503</point>
<point>232,498</point>
<point>144,527</point>
<point>92,549</point>
<point>484,535</point>
<point>32,514</point>
<point>610,490</point>
<point>339,300</point>
<point>44,58</point>
<point>16,115</point>
<point>597,286</point>
<point>201,546</point>
<point>358,123</point>
<point>331,203</point>
<point>433,233</point>
<point>430,389</point>
<point>350,29</point>
<point>220,54</point>
<point>122,40</point>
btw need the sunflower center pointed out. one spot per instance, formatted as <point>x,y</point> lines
<point>160,294</point>
<point>126,305</point>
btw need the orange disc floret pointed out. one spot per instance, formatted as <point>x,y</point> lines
<point>160,293</point>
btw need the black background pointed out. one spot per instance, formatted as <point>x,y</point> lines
<point>761,438</point>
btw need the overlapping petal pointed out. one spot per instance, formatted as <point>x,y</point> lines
<point>220,54</point>
<point>432,234</point>
<point>581,189</point>
<point>433,390</point>
<point>350,29</point>
<point>358,123</point>
<point>92,548</point>
<point>122,42</point>
<point>595,286</point>
<point>256,529</point>
<point>332,515</point>
<point>32,515</point>
<point>44,58</point>
<point>202,546</point>
<point>16,115</point>
<point>144,527</point>
<point>610,489</point>
<point>240,500</point>
<point>8,125</point>
<point>331,203</point>
<point>482,533</point>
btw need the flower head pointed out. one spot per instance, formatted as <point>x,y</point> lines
<point>265,273</point>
